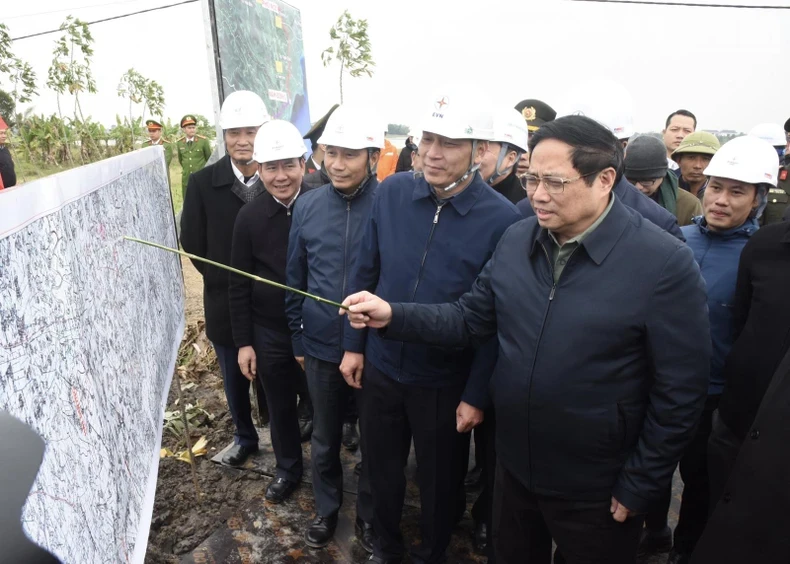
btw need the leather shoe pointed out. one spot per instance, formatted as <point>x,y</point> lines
<point>655,542</point>
<point>305,429</point>
<point>238,454</point>
<point>380,560</point>
<point>320,531</point>
<point>481,536</point>
<point>474,478</point>
<point>350,436</point>
<point>365,535</point>
<point>280,489</point>
<point>358,469</point>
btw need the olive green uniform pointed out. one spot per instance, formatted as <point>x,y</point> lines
<point>193,156</point>
<point>168,147</point>
<point>778,198</point>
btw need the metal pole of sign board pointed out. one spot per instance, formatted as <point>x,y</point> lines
<point>214,73</point>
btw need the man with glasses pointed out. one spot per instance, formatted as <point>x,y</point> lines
<point>646,168</point>
<point>604,350</point>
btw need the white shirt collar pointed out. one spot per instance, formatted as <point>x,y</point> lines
<point>253,179</point>
<point>288,206</point>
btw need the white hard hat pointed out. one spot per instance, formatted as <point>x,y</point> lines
<point>607,102</point>
<point>243,109</point>
<point>459,116</point>
<point>510,127</point>
<point>353,128</point>
<point>276,140</point>
<point>747,159</point>
<point>773,133</point>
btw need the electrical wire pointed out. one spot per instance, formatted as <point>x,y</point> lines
<point>107,19</point>
<point>695,5</point>
<point>69,9</point>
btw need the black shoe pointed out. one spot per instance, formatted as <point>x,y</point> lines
<point>655,542</point>
<point>238,454</point>
<point>350,436</point>
<point>380,560</point>
<point>474,478</point>
<point>320,531</point>
<point>365,535</point>
<point>358,469</point>
<point>481,536</point>
<point>305,429</point>
<point>678,557</point>
<point>280,489</point>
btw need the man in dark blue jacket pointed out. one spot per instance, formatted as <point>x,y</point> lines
<point>604,350</point>
<point>428,238</point>
<point>327,226</point>
<point>732,201</point>
<point>634,199</point>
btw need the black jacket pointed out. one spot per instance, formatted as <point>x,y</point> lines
<point>601,377</point>
<point>210,210</point>
<point>260,247</point>
<point>511,188</point>
<point>316,179</point>
<point>761,314</point>
<point>7,171</point>
<point>635,200</point>
<point>751,521</point>
<point>404,159</point>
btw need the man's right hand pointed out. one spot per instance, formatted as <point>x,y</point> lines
<point>300,360</point>
<point>367,310</point>
<point>247,362</point>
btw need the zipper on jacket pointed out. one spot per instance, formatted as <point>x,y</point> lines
<point>422,265</point>
<point>537,346</point>
<point>345,268</point>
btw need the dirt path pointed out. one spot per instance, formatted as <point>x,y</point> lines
<point>180,521</point>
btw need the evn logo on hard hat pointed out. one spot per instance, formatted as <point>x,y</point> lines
<point>439,105</point>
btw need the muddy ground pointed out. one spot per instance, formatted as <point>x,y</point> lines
<point>181,522</point>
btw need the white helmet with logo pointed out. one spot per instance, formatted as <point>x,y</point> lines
<point>243,109</point>
<point>747,159</point>
<point>277,140</point>
<point>511,128</point>
<point>458,116</point>
<point>353,128</point>
<point>773,133</point>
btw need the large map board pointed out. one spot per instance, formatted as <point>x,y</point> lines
<point>259,48</point>
<point>89,331</point>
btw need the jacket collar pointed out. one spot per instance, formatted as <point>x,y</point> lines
<point>746,229</point>
<point>372,181</point>
<point>462,202</point>
<point>602,240</point>
<point>223,173</point>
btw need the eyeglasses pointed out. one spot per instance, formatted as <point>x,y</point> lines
<point>552,184</point>
<point>647,184</point>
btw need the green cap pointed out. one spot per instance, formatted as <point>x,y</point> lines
<point>700,142</point>
<point>188,119</point>
<point>153,124</point>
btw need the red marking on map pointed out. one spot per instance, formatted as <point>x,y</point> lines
<point>79,410</point>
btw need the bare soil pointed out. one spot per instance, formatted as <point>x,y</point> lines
<point>182,520</point>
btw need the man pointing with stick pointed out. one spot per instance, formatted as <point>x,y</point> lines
<point>603,361</point>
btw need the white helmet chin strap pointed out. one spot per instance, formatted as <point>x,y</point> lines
<point>469,171</point>
<point>498,173</point>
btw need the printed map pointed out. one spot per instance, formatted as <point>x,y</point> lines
<point>260,47</point>
<point>89,329</point>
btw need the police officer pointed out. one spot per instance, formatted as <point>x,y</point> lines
<point>779,195</point>
<point>536,113</point>
<point>155,138</point>
<point>193,150</point>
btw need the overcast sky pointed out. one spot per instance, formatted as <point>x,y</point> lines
<point>728,66</point>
